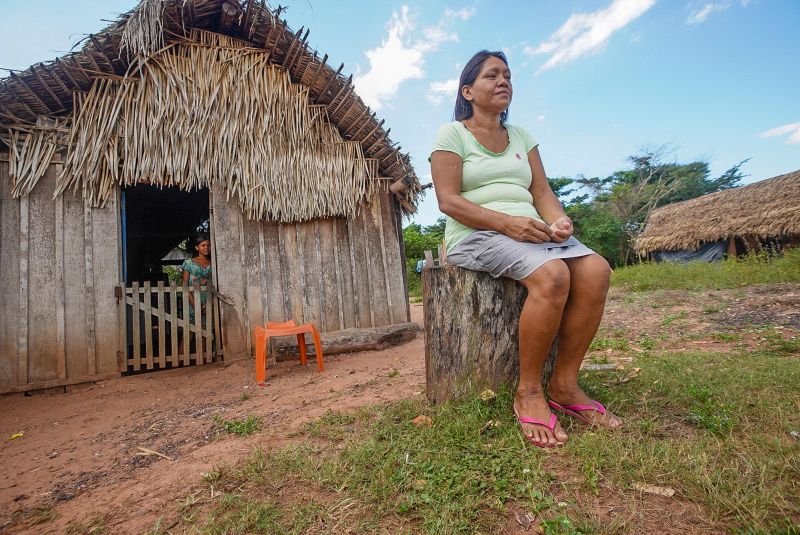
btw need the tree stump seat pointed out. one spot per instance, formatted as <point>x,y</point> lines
<point>471,332</point>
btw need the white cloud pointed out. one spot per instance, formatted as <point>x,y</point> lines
<point>587,33</point>
<point>446,89</point>
<point>464,14</point>
<point>401,55</point>
<point>541,119</point>
<point>791,130</point>
<point>698,16</point>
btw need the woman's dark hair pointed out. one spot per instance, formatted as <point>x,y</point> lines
<point>470,73</point>
<point>198,239</point>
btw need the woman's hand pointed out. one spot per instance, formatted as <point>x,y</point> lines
<point>527,229</point>
<point>562,229</point>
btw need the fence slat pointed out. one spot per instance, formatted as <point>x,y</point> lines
<point>162,353</point>
<point>148,325</point>
<point>207,338</point>
<point>198,324</point>
<point>187,335</point>
<point>137,349</point>
<point>173,323</point>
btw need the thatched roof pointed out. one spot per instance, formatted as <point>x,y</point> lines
<point>44,100</point>
<point>766,209</point>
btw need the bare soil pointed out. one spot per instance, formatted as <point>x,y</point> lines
<point>80,455</point>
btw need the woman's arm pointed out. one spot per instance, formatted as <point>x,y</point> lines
<point>446,171</point>
<point>545,201</point>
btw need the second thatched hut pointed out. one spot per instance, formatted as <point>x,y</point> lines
<point>763,215</point>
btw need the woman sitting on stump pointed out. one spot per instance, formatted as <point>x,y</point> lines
<point>504,219</point>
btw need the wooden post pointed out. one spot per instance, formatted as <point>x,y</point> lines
<point>471,332</point>
<point>732,247</point>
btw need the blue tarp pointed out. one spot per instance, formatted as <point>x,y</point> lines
<point>709,252</point>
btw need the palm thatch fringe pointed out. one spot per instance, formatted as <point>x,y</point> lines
<point>144,30</point>
<point>31,150</point>
<point>213,111</point>
<point>766,209</point>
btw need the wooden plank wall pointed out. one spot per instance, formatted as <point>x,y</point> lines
<point>335,272</point>
<point>59,263</point>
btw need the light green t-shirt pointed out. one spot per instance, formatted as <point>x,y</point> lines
<point>497,181</point>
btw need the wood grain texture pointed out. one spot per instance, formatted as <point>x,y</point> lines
<point>9,280</point>
<point>227,222</point>
<point>471,332</point>
<point>309,273</point>
<point>58,302</point>
<point>394,260</point>
<point>24,275</point>
<point>272,272</point>
<point>290,258</point>
<point>350,340</point>
<point>74,290</point>
<point>331,295</point>
<point>379,298</point>
<point>344,277</point>
<point>360,272</point>
<point>43,283</point>
<point>253,273</point>
<point>106,244</point>
<point>88,295</point>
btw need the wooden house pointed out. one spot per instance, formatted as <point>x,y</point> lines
<point>185,116</point>
<point>765,214</point>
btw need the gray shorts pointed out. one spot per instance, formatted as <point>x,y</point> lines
<point>501,256</point>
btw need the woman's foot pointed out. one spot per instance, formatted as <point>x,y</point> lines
<point>534,405</point>
<point>573,395</point>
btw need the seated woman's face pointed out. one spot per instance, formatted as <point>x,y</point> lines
<point>492,89</point>
<point>203,248</point>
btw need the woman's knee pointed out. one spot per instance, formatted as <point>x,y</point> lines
<point>597,267</point>
<point>590,271</point>
<point>550,281</point>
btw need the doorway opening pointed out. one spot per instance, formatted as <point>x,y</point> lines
<point>167,322</point>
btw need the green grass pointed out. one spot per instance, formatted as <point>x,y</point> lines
<point>617,343</point>
<point>730,273</point>
<point>248,426</point>
<point>713,426</point>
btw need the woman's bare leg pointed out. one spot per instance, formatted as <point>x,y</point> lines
<point>589,281</point>
<point>548,289</point>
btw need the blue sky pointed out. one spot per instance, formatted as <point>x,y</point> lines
<point>594,80</point>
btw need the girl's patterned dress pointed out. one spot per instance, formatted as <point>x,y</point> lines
<point>197,273</point>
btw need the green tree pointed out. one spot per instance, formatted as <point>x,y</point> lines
<point>419,239</point>
<point>612,211</point>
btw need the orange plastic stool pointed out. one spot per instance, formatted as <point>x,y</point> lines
<point>286,328</point>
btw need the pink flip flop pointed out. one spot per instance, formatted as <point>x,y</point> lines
<point>572,410</point>
<point>551,425</point>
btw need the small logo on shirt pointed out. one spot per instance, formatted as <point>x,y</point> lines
<point>519,157</point>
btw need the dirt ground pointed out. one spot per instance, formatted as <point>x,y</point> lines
<point>80,454</point>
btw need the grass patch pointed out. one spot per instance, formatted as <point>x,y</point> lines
<point>248,426</point>
<point>35,517</point>
<point>672,318</point>
<point>617,343</point>
<point>729,273</point>
<point>715,427</point>
<point>93,524</point>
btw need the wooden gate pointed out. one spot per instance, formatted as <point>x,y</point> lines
<point>157,330</point>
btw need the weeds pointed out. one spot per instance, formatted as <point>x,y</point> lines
<point>600,344</point>
<point>248,426</point>
<point>730,273</point>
